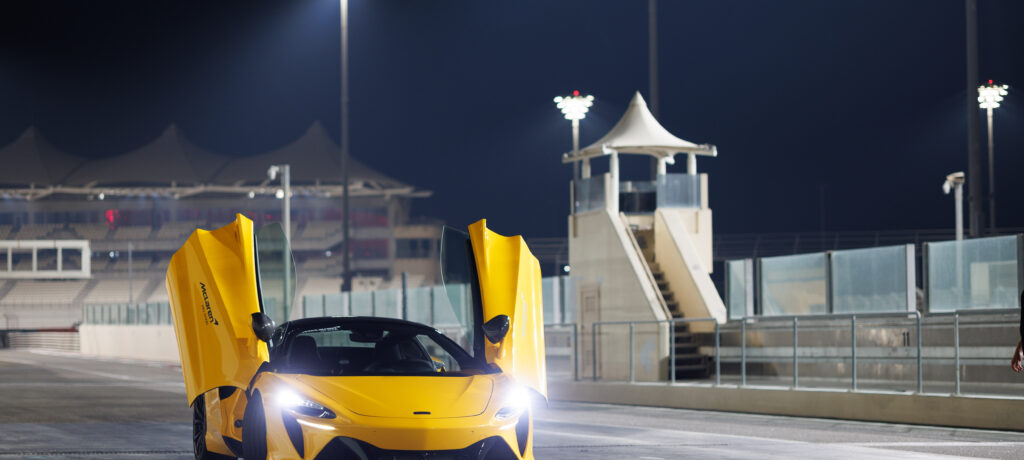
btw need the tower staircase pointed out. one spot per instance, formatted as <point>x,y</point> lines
<point>690,363</point>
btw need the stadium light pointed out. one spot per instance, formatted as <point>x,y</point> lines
<point>989,97</point>
<point>575,107</point>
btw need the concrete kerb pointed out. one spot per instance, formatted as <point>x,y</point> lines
<point>908,408</point>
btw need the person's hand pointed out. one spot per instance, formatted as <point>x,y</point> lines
<point>1018,355</point>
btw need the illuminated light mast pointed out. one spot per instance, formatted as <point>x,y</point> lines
<point>989,97</point>
<point>575,108</point>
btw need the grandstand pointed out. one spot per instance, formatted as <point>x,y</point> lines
<point>142,204</point>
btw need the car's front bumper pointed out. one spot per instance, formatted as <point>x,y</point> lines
<point>461,438</point>
<point>493,448</point>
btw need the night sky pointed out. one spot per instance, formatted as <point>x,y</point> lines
<point>863,101</point>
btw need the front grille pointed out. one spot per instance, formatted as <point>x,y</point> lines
<point>493,448</point>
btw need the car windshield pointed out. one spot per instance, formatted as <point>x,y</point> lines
<point>370,347</point>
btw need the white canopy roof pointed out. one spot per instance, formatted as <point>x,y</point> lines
<point>639,132</point>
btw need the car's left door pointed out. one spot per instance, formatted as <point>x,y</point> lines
<point>510,287</point>
<point>213,288</point>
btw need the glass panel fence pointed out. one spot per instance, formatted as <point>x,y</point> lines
<point>975,273</point>
<point>334,304</point>
<point>872,280</point>
<point>313,306</point>
<point>388,303</point>
<point>589,194</point>
<point>737,286</point>
<point>361,303</point>
<point>678,191</point>
<point>793,285</point>
<point>420,305</point>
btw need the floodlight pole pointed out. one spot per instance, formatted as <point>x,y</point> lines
<point>346,277</point>
<point>991,176</point>
<point>286,221</point>
<point>652,71</point>
<point>989,97</point>
<point>576,142</point>
<point>973,146</point>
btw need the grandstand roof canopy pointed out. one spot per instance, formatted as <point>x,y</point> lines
<point>171,165</point>
<point>30,159</point>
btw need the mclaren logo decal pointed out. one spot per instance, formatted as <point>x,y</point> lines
<point>206,305</point>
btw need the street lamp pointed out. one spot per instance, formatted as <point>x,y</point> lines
<point>284,194</point>
<point>989,97</point>
<point>575,108</point>
<point>955,182</point>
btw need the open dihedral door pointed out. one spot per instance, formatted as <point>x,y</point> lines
<point>510,284</point>
<point>213,291</point>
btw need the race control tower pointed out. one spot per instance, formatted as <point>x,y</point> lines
<point>641,250</point>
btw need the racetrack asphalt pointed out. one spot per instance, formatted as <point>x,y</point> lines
<point>62,405</point>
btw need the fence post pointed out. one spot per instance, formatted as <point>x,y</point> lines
<point>718,361</point>
<point>672,351</point>
<point>743,352</point>
<point>956,348</point>
<point>373,303</point>
<point>593,347</point>
<point>921,381</point>
<point>796,363</point>
<point>575,349</point>
<point>853,349</point>
<point>631,376</point>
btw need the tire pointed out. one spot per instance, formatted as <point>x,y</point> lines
<point>254,429</point>
<point>199,432</point>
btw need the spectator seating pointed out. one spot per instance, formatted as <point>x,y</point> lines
<point>43,292</point>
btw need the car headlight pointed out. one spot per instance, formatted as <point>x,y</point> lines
<point>516,401</point>
<point>293,402</point>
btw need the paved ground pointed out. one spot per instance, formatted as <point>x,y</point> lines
<point>59,405</point>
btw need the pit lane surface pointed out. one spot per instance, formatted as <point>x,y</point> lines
<point>66,406</point>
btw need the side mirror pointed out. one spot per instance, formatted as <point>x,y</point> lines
<point>263,326</point>
<point>496,328</point>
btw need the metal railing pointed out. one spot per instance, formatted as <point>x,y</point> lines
<point>671,323</point>
<point>795,319</point>
<point>915,349</point>
<point>956,334</point>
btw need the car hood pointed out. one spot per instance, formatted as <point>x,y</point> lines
<point>405,396</point>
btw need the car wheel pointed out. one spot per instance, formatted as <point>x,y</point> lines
<point>199,432</point>
<point>254,429</point>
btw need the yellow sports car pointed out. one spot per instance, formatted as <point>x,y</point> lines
<point>356,387</point>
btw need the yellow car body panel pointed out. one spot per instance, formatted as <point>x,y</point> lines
<point>220,419</point>
<point>377,396</point>
<point>510,284</point>
<point>212,289</point>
